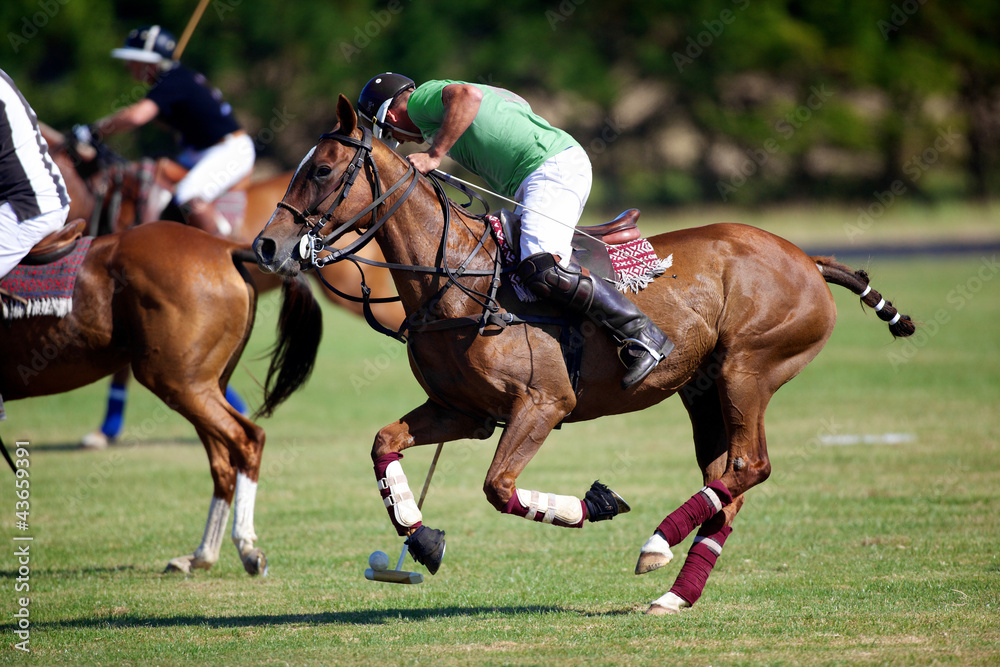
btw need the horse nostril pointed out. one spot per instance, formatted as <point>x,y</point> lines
<point>264,249</point>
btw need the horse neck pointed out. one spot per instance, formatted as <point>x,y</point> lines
<point>413,237</point>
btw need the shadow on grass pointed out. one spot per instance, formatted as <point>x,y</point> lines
<point>75,446</point>
<point>366,617</point>
<point>74,572</point>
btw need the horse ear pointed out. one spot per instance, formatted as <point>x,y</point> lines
<point>346,115</point>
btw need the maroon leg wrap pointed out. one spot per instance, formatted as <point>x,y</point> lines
<point>701,559</point>
<point>515,507</point>
<point>697,510</point>
<point>381,463</point>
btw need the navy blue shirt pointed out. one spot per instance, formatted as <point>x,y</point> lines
<point>189,105</point>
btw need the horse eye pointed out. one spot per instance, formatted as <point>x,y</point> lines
<point>323,171</point>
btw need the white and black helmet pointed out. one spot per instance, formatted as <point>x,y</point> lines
<point>149,44</point>
<point>377,96</point>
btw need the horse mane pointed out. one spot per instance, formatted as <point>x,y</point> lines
<point>858,282</point>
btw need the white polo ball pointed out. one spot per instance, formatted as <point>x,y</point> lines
<point>378,561</point>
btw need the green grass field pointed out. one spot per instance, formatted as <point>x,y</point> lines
<point>856,551</point>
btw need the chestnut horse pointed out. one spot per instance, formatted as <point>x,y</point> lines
<point>178,305</point>
<point>747,309</point>
<point>107,190</point>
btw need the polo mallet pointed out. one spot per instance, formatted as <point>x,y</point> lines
<point>189,29</point>
<point>399,576</point>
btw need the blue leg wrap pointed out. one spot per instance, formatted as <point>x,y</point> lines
<point>115,416</point>
<point>236,401</point>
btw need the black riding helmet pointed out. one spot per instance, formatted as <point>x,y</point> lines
<point>376,97</point>
<point>148,44</point>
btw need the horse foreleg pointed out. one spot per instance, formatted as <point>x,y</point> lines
<point>526,431</point>
<point>428,423</point>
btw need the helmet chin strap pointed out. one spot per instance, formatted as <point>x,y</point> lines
<point>383,130</point>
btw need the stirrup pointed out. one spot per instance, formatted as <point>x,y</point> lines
<point>653,352</point>
<point>643,365</point>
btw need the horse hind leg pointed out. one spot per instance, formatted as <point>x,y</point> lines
<point>702,399</point>
<point>728,421</point>
<point>207,553</point>
<point>234,445</point>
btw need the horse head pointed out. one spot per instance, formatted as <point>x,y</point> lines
<point>320,198</point>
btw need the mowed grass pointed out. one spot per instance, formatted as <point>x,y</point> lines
<point>863,553</point>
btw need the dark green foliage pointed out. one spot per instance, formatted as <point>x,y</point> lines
<point>677,102</point>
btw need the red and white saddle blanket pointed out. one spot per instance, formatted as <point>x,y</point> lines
<point>46,289</point>
<point>635,263</point>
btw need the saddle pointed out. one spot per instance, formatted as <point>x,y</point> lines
<point>56,245</point>
<point>590,243</point>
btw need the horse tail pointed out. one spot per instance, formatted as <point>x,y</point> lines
<point>300,329</point>
<point>857,281</point>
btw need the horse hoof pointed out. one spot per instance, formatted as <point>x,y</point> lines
<point>658,610</point>
<point>603,503</point>
<point>649,562</point>
<point>655,553</point>
<point>180,564</point>
<point>95,440</point>
<point>427,547</point>
<point>668,605</point>
<point>255,563</point>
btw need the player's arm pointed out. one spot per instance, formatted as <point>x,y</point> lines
<point>129,118</point>
<point>461,104</point>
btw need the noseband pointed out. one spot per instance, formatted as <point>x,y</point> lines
<point>312,243</point>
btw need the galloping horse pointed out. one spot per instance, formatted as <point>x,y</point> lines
<point>747,309</point>
<point>109,195</point>
<point>177,305</point>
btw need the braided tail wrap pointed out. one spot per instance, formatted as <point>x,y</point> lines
<point>900,326</point>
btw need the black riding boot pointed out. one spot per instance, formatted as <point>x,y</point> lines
<point>643,343</point>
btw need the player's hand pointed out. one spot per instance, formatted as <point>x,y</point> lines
<point>424,162</point>
<point>83,134</point>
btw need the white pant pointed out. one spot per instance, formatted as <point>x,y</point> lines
<point>17,238</point>
<point>553,197</point>
<point>215,169</point>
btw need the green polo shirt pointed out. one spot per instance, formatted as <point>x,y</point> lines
<point>504,144</point>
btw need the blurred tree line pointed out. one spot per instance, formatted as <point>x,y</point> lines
<point>741,101</point>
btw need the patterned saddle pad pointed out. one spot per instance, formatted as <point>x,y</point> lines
<point>635,263</point>
<point>43,290</point>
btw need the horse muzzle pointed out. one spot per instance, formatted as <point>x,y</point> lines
<point>272,259</point>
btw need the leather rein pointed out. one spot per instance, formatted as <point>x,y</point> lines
<point>313,243</point>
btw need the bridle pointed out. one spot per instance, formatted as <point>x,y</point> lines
<point>312,243</point>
